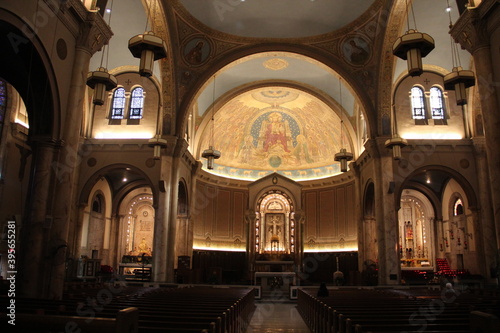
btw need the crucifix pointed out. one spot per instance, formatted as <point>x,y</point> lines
<point>275,220</point>
<point>427,81</point>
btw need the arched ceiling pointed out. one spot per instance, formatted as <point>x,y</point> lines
<point>276,18</point>
<point>276,66</point>
<point>324,29</point>
<point>275,129</point>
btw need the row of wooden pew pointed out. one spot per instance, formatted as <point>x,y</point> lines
<point>390,311</point>
<point>144,310</point>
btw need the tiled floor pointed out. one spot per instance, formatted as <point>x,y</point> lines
<point>277,317</point>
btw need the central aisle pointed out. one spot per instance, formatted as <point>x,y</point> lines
<point>279,317</point>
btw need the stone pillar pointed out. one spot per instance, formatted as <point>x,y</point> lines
<point>161,256</point>
<point>33,229</point>
<point>250,218</point>
<point>369,239</point>
<point>300,219</point>
<point>484,226</point>
<point>475,30</point>
<point>120,245</point>
<point>386,214</point>
<point>92,36</point>
<point>76,241</point>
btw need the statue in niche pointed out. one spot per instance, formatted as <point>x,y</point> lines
<point>144,247</point>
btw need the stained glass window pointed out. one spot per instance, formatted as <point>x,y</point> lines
<point>136,103</point>
<point>418,103</point>
<point>118,104</point>
<point>3,104</point>
<point>458,207</point>
<point>437,108</point>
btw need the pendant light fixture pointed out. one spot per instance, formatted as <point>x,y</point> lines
<point>458,79</point>
<point>395,142</point>
<point>211,153</point>
<point>157,143</point>
<point>148,47</point>
<point>413,46</point>
<point>100,80</point>
<point>343,156</point>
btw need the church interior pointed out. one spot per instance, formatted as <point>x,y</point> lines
<point>271,144</point>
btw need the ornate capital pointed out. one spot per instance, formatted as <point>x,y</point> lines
<point>93,32</point>
<point>474,27</point>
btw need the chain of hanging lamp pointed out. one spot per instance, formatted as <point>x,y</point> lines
<point>211,153</point>
<point>100,80</point>
<point>343,156</point>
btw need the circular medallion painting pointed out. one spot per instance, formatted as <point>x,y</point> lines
<point>196,51</point>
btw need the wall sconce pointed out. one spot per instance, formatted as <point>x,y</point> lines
<point>101,81</point>
<point>157,143</point>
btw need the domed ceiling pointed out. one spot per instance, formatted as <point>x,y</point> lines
<point>276,18</point>
<point>275,129</point>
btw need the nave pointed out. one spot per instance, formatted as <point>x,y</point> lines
<point>136,308</point>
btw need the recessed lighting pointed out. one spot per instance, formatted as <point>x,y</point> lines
<point>448,9</point>
<point>124,179</point>
<point>108,10</point>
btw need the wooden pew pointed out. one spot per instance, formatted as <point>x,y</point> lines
<point>126,320</point>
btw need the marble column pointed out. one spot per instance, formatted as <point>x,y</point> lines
<point>93,34</point>
<point>34,227</point>
<point>475,30</point>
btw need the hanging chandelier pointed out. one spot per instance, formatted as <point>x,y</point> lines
<point>101,81</point>
<point>157,143</point>
<point>211,153</point>
<point>413,46</point>
<point>343,156</point>
<point>148,47</point>
<point>396,143</point>
<point>458,79</point>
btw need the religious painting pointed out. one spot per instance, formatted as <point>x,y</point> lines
<point>356,50</point>
<point>276,129</point>
<point>196,51</point>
